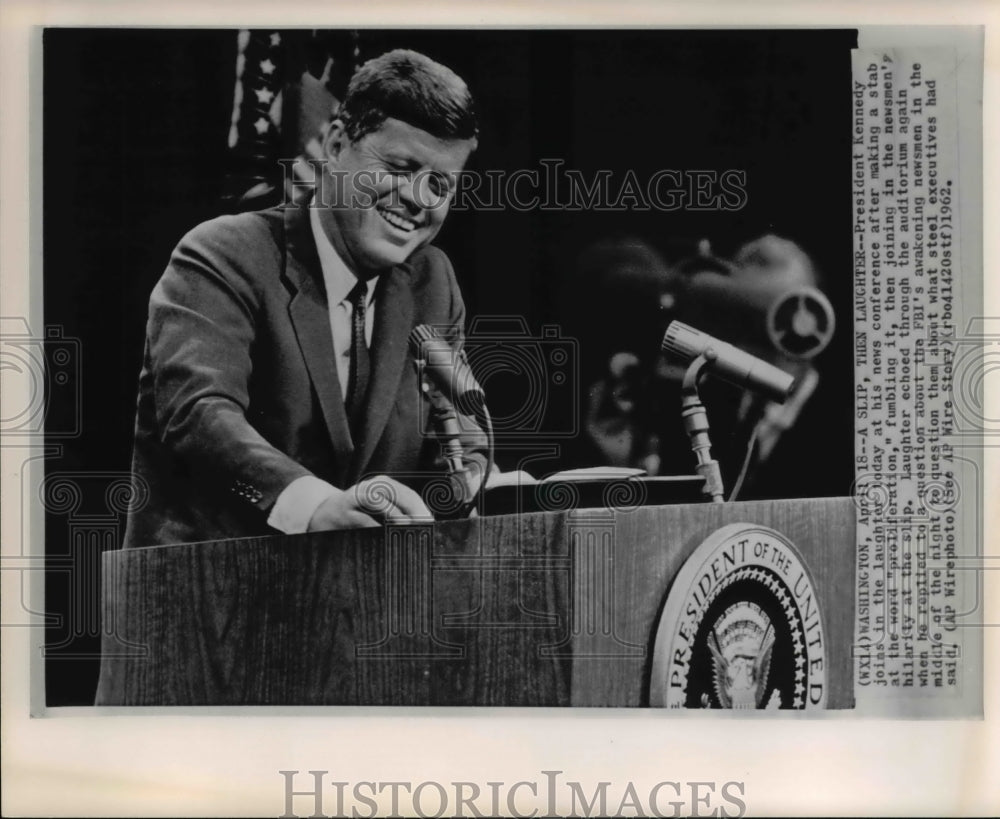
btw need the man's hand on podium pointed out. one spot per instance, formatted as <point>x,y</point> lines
<point>381,500</point>
<point>371,502</point>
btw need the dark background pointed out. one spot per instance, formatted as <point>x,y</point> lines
<point>135,154</point>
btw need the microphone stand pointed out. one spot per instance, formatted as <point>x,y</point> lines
<point>445,421</point>
<point>696,423</point>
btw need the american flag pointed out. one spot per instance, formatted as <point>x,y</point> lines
<point>287,86</point>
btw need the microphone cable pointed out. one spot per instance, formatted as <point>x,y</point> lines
<point>484,418</point>
<point>751,446</point>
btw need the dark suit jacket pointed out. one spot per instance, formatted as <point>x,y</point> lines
<point>239,394</point>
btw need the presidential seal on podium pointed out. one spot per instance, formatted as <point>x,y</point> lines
<point>741,628</point>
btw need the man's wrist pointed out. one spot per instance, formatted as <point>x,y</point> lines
<point>298,502</point>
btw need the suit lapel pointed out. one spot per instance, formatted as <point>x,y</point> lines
<point>310,317</point>
<point>393,319</point>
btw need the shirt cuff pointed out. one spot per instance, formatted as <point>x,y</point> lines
<point>297,503</point>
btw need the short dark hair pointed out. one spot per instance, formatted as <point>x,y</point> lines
<point>412,88</point>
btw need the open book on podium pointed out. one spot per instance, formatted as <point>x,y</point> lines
<point>592,487</point>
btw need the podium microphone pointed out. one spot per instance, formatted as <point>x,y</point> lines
<point>448,370</point>
<point>685,343</point>
<point>702,352</point>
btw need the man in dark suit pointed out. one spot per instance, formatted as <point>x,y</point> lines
<point>276,372</point>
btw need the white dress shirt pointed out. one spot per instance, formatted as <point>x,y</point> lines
<point>297,503</point>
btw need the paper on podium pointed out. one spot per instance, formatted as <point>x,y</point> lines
<point>592,487</point>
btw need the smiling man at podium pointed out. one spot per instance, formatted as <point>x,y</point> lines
<point>276,373</point>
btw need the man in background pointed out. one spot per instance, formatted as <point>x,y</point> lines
<point>617,303</point>
<point>631,404</point>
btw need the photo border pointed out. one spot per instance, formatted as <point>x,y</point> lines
<point>77,761</point>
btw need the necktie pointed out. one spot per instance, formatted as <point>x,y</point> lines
<point>357,385</point>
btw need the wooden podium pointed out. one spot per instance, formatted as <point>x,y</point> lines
<point>544,609</point>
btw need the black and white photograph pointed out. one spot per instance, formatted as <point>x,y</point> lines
<point>463,375</point>
<point>587,216</point>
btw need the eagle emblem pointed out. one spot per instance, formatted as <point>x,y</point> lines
<point>741,641</point>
